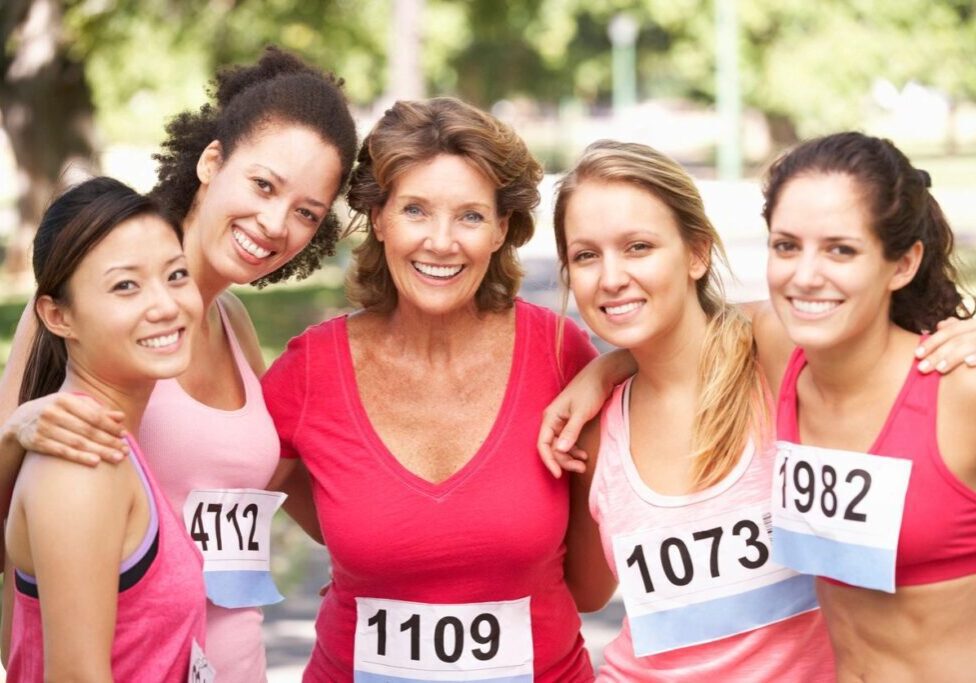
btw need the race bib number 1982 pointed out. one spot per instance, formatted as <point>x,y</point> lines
<point>838,513</point>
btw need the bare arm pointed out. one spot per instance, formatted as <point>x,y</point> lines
<point>587,574</point>
<point>75,558</point>
<point>6,620</point>
<point>579,402</point>
<point>290,477</point>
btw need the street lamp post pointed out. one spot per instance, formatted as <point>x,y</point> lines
<point>623,37</point>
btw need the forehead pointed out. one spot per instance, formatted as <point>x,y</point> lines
<point>143,238</point>
<point>599,207</point>
<point>817,203</point>
<point>446,177</point>
<point>295,152</point>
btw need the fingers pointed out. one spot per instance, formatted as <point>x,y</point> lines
<point>951,346</point>
<point>76,428</point>
<point>569,434</point>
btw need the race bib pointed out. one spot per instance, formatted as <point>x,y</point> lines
<point>704,580</point>
<point>414,641</point>
<point>201,671</point>
<point>232,528</point>
<point>838,513</point>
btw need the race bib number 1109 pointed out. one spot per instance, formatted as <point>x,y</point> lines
<point>414,641</point>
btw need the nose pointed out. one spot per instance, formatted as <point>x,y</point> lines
<point>613,273</point>
<point>807,274</point>
<point>162,305</point>
<point>273,218</point>
<point>440,239</point>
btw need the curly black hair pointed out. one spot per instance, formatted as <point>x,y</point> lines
<point>279,88</point>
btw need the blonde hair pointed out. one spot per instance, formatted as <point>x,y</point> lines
<point>413,132</point>
<point>732,397</point>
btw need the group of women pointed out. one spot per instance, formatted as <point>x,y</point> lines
<point>406,434</point>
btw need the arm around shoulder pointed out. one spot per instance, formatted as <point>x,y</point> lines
<point>247,336</point>
<point>587,574</point>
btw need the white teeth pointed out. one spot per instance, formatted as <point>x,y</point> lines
<point>805,306</point>
<point>437,271</point>
<point>160,342</point>
<point>623,308</point>
<point>249,246</point>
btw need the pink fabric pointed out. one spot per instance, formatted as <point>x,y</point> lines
<point>937,541</point>
<point>157,618</point>
<point>796,649</point>
<point>494,531</point>
<point>190,446</point>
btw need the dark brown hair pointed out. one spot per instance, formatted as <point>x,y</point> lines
<point>280,88</point>
<point>414,132</point>
<point>902,212</point>
<point>71,227</point>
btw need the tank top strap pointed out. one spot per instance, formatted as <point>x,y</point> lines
<point>251,382</point>
<point>610,474</point>
<point>786,417</point>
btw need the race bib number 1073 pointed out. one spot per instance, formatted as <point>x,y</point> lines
<point>704,580</point>
<point>838,513</point>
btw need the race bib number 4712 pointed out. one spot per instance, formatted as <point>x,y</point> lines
<point>838,513</point>
<point>704,580</point>
<point>408,642</point>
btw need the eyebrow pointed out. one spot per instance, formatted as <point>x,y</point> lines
<point>130,268</point>
<point>828,238</point>
<point>284,181</point>
<point>468,205</point>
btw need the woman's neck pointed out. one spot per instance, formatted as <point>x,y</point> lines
<point>210,283</point>
<point>670,359</point>
<point>435,337</point>
<point>856,366</point>
<point>130,399</point>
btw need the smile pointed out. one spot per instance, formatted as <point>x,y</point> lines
<point>814,307</point>
<point>250,247</point>
<point>622,309</point>
<point>438,272</point>
<point>162,341</point>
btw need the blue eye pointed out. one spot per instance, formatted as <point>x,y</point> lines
<point>412,210</point>
<point>473,217</point>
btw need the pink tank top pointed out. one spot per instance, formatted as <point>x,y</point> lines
<point>191,446</point>
<point>937,541</point>
<point>160,604</point>
<point>704,601</point>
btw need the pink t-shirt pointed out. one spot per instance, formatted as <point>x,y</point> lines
<point>158,616</point>
<point>468,572</point>
<point>704,601</point>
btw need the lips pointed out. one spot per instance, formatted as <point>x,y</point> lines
<point>437,271</point>
<point>162,341</point>
<point>814,306</point>
<point>249,246</point>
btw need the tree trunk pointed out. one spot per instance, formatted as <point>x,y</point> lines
<point>47,114</point>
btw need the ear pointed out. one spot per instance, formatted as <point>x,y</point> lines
<point>500,234</point>
<point>376,220</point>
<point>210,161</point>
<point>700,259</point>
<point>54,316</point>
<point>907,266</point>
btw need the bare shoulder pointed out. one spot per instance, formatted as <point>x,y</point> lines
<point>772,343</point>
<point>956,427</point>
<point>247,336</point>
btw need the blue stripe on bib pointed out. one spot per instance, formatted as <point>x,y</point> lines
<point>241,588</point>
<point>714,619</point>
<point>858,565</point>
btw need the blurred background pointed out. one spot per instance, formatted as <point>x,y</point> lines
<point>721,85</point>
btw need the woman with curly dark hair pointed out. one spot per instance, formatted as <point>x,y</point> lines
<point>251,178</point>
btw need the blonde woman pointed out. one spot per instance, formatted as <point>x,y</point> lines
<point>681,459</point>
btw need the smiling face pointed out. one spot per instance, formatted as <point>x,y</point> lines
<point>828,279</point>
<point>631,273</point>
<point>130,306</point>
<point>256,209</point>
<point>439,227</point>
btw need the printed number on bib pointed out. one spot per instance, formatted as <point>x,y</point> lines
<point>704,580</point>
<point>838,513</point>
<point>413,641</point>
<point>232,528</point>
<point>201,671</point>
